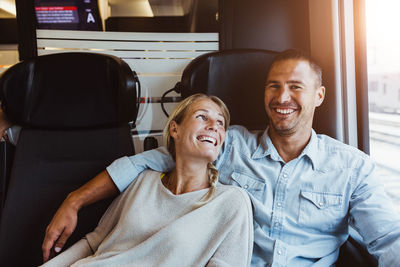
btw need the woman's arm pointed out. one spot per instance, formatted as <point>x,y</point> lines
<point>79,250</point>
<point>237,247</point>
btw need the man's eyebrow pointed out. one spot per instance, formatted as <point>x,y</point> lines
<point>290,81</point>
<point>295,81</point>
<point>271,81</point>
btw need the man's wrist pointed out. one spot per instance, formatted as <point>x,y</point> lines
<point>74,201</point>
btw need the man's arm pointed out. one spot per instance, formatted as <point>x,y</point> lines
<point>374,216</point>
<point>108,183</point>
<point>64,221</point>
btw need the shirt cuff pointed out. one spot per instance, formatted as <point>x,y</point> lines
<point>122,172</point>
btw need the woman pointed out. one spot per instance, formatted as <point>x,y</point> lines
<point>181,218</point>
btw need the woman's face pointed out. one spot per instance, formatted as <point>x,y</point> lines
<point>201,133</point>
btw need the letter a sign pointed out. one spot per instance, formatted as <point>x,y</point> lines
<point>90,18</point>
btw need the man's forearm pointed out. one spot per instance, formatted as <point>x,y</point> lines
<point>98,188</point>
<point>64,221</point>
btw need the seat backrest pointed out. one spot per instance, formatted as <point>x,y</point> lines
<point>236,76</point>
<point>74,109</point>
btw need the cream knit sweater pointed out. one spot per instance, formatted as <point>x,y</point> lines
<point>147,225</point>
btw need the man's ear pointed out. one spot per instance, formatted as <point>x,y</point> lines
<point>319,96</point>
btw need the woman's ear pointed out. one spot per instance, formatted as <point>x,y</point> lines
<point>173,129</point>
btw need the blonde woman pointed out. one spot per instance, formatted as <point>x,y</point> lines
<point>181,218</point>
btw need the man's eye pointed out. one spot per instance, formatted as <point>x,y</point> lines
<point>273,86</point>
<point>295,87</point>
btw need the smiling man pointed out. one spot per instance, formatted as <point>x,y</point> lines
<point>306,189</point>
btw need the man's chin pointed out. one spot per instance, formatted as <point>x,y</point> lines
<point>283,130</point>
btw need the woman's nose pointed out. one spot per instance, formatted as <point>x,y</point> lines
<point>212,125</point>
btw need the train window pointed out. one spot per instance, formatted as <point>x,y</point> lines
<point>383,55</point>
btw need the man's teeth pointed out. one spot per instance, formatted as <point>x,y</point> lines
<point>207,139</point>
<point>284,111</point>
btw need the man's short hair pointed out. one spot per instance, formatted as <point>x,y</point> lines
<point>297,54</point>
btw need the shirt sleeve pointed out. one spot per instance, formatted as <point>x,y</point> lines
<point>124,171</point>
<point>373,215</point>
<point>237,247</point>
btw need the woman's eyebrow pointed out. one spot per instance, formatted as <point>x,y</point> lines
<point>207,111</point>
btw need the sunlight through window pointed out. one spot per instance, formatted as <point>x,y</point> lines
<point>383,51</point>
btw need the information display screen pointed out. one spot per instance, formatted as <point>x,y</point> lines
<point>68,15</point>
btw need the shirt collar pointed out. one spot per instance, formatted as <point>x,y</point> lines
<point>267,148</point>
<point>311,149</point>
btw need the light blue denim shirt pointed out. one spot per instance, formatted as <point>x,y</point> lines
<point>302,208</point>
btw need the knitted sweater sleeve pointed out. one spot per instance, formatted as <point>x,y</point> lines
<point>237,247</point>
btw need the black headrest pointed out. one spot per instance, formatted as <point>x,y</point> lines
<point>236,76</point>
<point>69,90</point>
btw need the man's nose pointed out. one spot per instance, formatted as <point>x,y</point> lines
<point>283,95</point>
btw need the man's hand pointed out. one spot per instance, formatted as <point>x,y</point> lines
<point>60,229</point>
<point>64,221</point>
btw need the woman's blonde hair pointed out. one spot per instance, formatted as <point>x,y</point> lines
<point>178,115</point>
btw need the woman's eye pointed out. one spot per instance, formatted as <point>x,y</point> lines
<point>204,118</point>
<point>220,123</point>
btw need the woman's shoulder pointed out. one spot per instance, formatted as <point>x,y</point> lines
<point>146,177</point>
<point>150,173</point>
<point>237,196</point>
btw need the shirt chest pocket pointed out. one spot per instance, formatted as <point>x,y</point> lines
<point>321,211</point>
<point>254,187</point>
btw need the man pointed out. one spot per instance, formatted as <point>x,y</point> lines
<point>306,189</point>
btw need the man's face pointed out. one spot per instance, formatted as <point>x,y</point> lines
<point>291,96</point>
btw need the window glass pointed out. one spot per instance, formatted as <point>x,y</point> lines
<point>383,51</point>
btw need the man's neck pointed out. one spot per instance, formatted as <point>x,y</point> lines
<point>289,146</point>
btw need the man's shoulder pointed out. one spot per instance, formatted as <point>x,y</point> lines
<point>242,134</point>
<point>337,150</point>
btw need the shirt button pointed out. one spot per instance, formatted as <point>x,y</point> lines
<point>279,204</point>
<point>276,224</point>
<point>246,186</point>
<point>285,175</point>
<point>321,204</point>
<point>279,252</point>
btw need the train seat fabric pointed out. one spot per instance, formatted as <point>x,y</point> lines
<point>74,109</point>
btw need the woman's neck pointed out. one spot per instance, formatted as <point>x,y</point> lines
<point>187,178</point>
